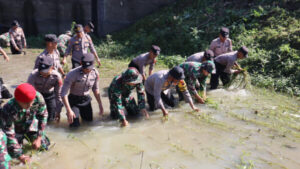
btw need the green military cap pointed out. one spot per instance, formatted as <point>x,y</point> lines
<point>209,66</point>
<point>132,75</point>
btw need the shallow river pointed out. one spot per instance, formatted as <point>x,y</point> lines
<point>237,129</point>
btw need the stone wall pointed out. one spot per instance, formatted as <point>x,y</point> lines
<point>56,16</point>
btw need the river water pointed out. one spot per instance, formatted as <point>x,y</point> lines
<point>236,129</point>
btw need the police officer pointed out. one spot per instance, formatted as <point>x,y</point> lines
<point>49,83</point>
<point>119,94</point>
<point>79,45</point>
<point>222,44</point>
<point>158,87</point>
<point>148,58</point>
<point>25,116</point>
<point>80,80</point>
<point>17,38</point>
<point>224,64</point>
<point>63,41</point>
<point>51,52</point>
<point>194,71</point>
<point>201,56</point>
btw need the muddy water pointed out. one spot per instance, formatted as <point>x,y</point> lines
<point>236,129</point>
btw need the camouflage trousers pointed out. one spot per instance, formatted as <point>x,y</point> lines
<point>4,156</point>
<point>62,50</point>
<point>117,106</point>
<point>30,137</point>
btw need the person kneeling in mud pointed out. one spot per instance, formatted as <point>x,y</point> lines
<point>224,64</point>
<point>158,89</point>
<point>48,82</point>
<point>80,80</point>
<point>25,117</point>
<point>194,71</point>
<point>119,93</point>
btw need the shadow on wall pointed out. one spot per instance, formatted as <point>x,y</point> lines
<point>30,25</point>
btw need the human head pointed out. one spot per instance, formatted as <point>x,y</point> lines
<point>208,55</point>
<point>15,24</point>
<point>132,76</point>
<point>243,52</point>
<point>25,95</point>
<point>69,33</point>
<point>87,62</point>
<point>176,74</point>
<point>51,41</point>
<point>89,27</point>
<point>78,30</point>
<point>207,68</point>
<point>224,33</point>
<point>45,66</point>
<point>154,51</point>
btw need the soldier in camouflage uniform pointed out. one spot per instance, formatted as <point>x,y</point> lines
<point>63,41</point>
<point>4,39</point>
<point>25,116</point>
<point>119,93</point>
<point>4,156</point>
<point>194,71</point>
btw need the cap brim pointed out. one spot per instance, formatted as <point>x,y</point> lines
<point>45,70</point>
<point>138,80</point>
<point>88,67</point>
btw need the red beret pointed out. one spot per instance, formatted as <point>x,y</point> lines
<point>25,93</point>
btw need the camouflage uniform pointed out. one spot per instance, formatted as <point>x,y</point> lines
<point>18,123</point>
<point>63,41</point>
<point>4,156</point>
<point>120,96</point>
<point>192,73</point>
<point>4,39</point>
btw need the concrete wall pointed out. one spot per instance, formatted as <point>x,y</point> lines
<point>56,16</point>
<point>117,14</point>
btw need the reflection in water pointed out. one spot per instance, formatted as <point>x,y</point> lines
<point>236,129</point>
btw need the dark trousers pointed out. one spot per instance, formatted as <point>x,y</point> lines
<point>75,64</point>
<point>225,77</point>
<point>81,105</point>
<point>168,99</point>
<point>51,105</point>
<point>5,94</point>
<point>14,50</point>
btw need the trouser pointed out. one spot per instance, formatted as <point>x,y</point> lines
<point>81,105</point>
<point>129,104</point>
<point>62,50</point>
<point>168,99</point>
<point>225,77</point>
<point>31,136</point>
<point>51,105</point>
<point>14,50</point>
<point>132,64</point>
<point>75,64</point>
<point>5,94</point>
<point>4,156</point>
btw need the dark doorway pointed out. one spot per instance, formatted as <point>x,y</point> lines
<point>29,18</point>
<point>78,12</point>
